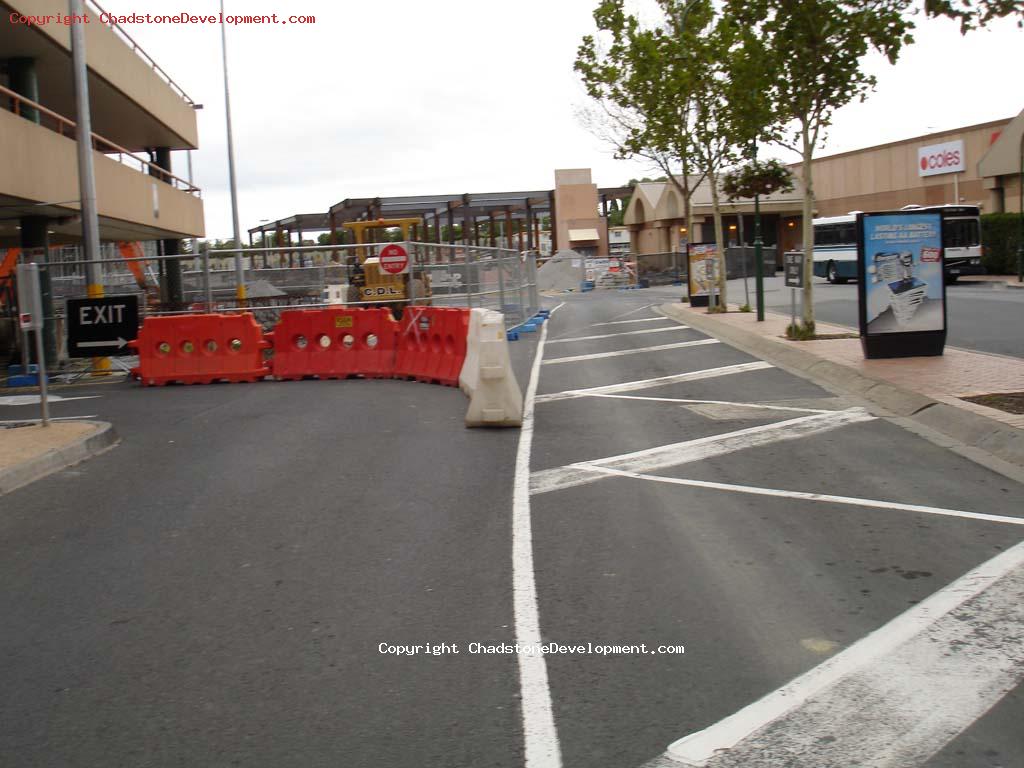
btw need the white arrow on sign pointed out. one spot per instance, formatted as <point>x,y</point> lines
<point>119,342</point>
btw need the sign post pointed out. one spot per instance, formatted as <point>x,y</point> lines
<point>794,266</point>
<point>101,327</point>
<point>30,318</point>
<point>901,284</point>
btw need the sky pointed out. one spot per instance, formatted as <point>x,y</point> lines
<point>408,97</point>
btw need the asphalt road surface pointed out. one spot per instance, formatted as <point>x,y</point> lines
<point>984,317</point>
<point>218,589</point>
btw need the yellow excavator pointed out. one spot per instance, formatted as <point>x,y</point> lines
<point>369,283</point>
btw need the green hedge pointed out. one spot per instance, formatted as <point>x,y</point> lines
<point>1000,236</point>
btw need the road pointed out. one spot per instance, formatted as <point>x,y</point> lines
<point>216,590</point>
<point>984,317</point>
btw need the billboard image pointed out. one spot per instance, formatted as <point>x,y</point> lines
<point>702,260</point>
<point>902,268</point>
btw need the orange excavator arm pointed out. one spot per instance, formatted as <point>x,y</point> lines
<point>8,262</point>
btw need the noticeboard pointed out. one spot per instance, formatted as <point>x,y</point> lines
<point>702,271</point>
<point>901,285</point>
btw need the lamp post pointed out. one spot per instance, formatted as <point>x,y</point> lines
<point>1020,233</point>
<point>239,267</point>
<point>758,246</point>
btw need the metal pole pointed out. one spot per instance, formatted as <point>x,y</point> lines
<point>239,268</point>
<point>207,290</point>
<point>1020,234</point>
<point>501,284</point>
<point>86,178</point>
<point>792,307</point>
<point>469,279</point>
<point>43,393</point>
<point>758,256</point>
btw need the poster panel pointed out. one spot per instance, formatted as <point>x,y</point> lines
<point>902,268</point>
<point>702,268</point>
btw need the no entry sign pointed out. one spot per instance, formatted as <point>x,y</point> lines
<point>394,259</point>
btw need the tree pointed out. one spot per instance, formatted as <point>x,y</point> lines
<point>635,75</point>
<point>973,14</point>
<point>810,53</point>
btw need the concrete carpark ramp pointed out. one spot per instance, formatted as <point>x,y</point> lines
<point>562,272</point>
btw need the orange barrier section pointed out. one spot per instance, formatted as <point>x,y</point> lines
<point>432,344</point>
<point>334,343</point>
<point>200,349</point>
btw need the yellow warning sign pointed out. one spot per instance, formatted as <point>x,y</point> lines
<point>343,321</point>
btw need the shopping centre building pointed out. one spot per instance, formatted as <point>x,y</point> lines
<point>976,165</point>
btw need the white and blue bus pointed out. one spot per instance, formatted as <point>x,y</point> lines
<point>835,243</point>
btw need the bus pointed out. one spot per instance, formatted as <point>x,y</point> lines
<point>835,243</point>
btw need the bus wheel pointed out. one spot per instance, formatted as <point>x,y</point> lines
<point>831,274</point>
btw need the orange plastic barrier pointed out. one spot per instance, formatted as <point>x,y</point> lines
<point>432,344</point>
<point>200,349</point>
<point>334,343</point>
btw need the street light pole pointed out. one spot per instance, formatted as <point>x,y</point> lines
<point>758,246</point>
<point>239,268</point>
<point>1020,233</point>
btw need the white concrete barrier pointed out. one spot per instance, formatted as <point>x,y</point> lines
<point>495,399</point>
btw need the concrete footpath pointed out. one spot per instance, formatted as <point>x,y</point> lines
<point>30,451</point>
<point>923,393</point>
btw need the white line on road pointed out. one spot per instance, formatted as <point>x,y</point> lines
<point>664,456</point>
<point>579,358</point>
<point>641,320</point>
<point>620,333</point>
<point>52,418</point>
<point>851,500</point>
<point>632,386</point>
<point>634,311</point>
<point>711,402</point>
<point>895,697</point>
<point>540,736</point>
<point>33,399</point>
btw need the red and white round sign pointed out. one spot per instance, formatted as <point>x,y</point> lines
<point>394,259</point>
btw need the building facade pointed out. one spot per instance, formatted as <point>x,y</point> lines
<point>974,165</point>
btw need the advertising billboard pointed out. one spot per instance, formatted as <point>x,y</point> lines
<point>902,288</point>
<point>702,271</point>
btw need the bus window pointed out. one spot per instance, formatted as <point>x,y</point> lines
<point>848,234</point>
<point>960,233</point>
<point>825,235</point>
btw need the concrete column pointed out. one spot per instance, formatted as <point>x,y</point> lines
<point>173,291</point>
<point>22,74</point>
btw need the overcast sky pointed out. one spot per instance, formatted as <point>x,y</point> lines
<point>410,97</point>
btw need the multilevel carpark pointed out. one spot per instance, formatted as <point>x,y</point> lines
<point>218,587</point>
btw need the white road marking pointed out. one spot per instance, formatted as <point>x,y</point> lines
<point>52,418</point>
<point>711,402</point>
<point>621,333</point>
<point>540,736</point>
<point>641,320</point>
<point>634,311</point>
<point>850,500</point>
<point>664,456</point>
<point>632,386</point>
<point>33,399</point>
<point>619,353</point>
<point>895,697</point>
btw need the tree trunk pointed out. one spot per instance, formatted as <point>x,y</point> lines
<point>716,210</point>
<point>808,224</point>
